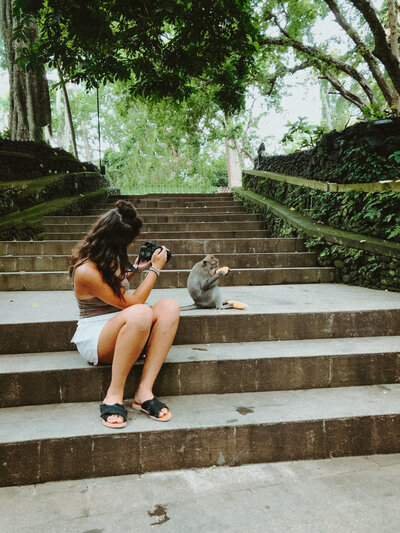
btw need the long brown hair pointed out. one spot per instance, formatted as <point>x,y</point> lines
<point>106,244</point>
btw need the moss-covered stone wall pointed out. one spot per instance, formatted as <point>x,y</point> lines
<point>352,265</point>
<point>23,160</point>
<point>376,214</point>
<point>37,180</point>
<point>360,153</point>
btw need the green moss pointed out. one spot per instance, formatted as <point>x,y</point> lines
<point>353,265</point>
<point>31,185</point>
<point>30,220</point>
<point>314,229</point>
<point>376,214</point>
<point>20,196</point>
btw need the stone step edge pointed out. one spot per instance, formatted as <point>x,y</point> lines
<point>221,326</point>
<point>132,255</point>
<point>275,239</point>
<point>244,351</point>
<point>51,377</point>
<point>174,271</point>
<point>68,441</point>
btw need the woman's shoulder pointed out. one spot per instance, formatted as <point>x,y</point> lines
<point>86,271</point>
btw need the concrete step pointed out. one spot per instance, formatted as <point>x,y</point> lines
<point>171,227</point>
<point>155,217</point>
<point>43,321</point>
<point>164,210</point>
<point>177,246</point>
<point>68,441</point>
<point>166,196</point>
<point>132,197</point>
<point>50,263</point>
<point>65,377</point>
<point>163,235</point>
<point>48,281</point>
<point>177,202</point>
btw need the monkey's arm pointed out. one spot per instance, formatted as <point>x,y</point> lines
<point>214,280</point>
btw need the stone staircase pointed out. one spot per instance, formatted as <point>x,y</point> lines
<point>309,370</point>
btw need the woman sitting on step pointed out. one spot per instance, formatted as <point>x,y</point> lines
<point>116,326</point>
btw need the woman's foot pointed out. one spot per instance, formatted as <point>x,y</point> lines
<point>110,400</point>
<point>113,416</point>
<point>152,407</point>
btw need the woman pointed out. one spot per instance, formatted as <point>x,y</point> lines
<point>115,326</point>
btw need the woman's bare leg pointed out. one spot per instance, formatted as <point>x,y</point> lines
<point>121,342</point>
<point>165,324</point>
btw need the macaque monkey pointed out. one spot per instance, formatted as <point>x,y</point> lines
<point>260,154</point>
<point>203,287</point>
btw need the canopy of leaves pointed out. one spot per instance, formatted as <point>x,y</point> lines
<point>162,47</point>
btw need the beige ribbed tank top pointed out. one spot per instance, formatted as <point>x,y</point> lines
<point>96,307</point>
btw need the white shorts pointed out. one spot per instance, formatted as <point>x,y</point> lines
<point>87,336</point>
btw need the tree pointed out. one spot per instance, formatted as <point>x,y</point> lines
<point>164,49</point>
<point>162,146</point>
<point>366,73</point>
<point>29,92</point>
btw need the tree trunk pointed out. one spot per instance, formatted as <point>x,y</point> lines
<point>68,115</point>
<point>325,109</point>
<point>60,136</point>
<point>232,164</point>
<point>85,139</point>
<point>29,92</point>
<point>394,44</point>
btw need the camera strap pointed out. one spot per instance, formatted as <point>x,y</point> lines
<point>131,268</point>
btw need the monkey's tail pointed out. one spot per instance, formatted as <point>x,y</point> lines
<point>188,307</point>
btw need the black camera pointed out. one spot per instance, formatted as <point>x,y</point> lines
<point>148,249</point>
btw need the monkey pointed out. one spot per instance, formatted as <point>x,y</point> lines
<point>202,285</point>
<point>260,153</point>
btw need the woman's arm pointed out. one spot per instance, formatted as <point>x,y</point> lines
<point>139,265</point>
<point>88,283</point>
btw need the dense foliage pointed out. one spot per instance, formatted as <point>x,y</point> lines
<point>352,265</point>
<point>375,214</point>
<point>165,49</point>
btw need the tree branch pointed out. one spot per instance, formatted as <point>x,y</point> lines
<point>363,50</point>
<point>381,50</point>
<point>349,96</point>
<point>281,71</point>
<point>318,55</point>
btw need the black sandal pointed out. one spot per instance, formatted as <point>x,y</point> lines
<point>116,409</point>
<point>152,408</point>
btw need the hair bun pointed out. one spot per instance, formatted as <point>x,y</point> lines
<point>126,210</point>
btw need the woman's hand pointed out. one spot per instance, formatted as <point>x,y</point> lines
<point>159,258</point>
<point>141,265</point>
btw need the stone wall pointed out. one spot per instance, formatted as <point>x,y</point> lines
<point>352,265</point>
<point>22,160</point>
<point>37,180</point>
<point>324,162</point>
